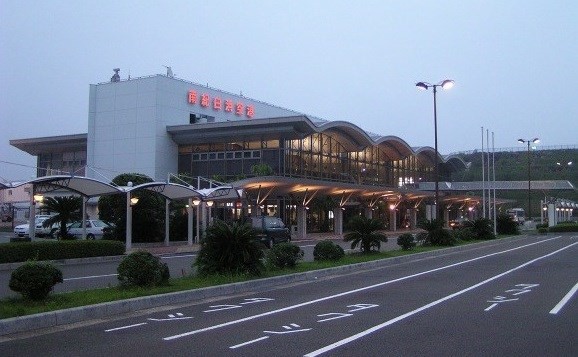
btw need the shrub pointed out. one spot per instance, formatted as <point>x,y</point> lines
<point>284,255</point>
<point>421,238</point>
<point>505,225</point>
<point>441,237</point>
<point>229,249</point>
<point>464,234</point>
<point>542,230</point>
<point>35,280</point>
<point>364,231</point>
<point>57,250</point>
<point>483,228</point>
<point>564,227</point>
<point>327,250</point>
<point>142,269</point>
<point>406,241</point>
<point>430,225</point>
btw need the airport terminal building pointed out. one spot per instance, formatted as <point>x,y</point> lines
<point>162,126</point>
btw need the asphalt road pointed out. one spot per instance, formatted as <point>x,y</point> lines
<point>509,297</point>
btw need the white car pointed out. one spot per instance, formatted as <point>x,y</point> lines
<point>94,229</point>
<point>21,230</point>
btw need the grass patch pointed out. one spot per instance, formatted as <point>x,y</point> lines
<point>17,306</point>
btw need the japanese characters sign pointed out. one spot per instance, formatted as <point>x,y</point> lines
<point>227,105</point>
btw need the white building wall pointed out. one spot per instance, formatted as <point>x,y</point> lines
<point>127,123</point>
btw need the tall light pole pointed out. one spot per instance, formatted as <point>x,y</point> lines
<point>529,141</point>
<point>446,84</point>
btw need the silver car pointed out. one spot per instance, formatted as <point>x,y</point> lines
<point>94,229</point>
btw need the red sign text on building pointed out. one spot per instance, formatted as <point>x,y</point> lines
<point>217,103</point>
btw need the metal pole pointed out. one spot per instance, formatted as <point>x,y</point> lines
<point>197,238</point>
<point>483,178</point>
<point>167,221</point>
<point>436,155</point>
<point>494,183</point>
<point>128,238</point>
<point>529,207</point>
<point>190,222</point>
<point>489,179</point>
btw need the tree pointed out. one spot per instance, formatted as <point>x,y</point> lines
<point>261,170</point>
<point>148,214</point>
<point>230,249</point>
<point>67,209</point>
<point>364,231</point>
<point>436,233</point>
<point>321,207</point>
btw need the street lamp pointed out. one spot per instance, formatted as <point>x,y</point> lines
<point>529,141</point>
<point>446,84</point>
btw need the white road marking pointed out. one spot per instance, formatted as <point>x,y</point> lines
<point>90,277</point>
<point>564,300</point>
<point>427,306</point>
<point>292,307</point>
<point>249,342</point>
<point>125,327</point>
<point>177,256</point>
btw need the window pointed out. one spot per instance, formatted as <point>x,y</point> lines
<point>193,118</point>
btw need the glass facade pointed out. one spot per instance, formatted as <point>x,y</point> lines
<point>57,163</point>
<point>317,156</point>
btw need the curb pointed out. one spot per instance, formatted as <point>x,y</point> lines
<point>77,314</point>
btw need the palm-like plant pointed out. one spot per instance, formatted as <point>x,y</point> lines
<point>67,209</point>
<point>230,249</point>
<point>365,232</point>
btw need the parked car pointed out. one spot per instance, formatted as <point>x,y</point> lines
<point>94,229</point>
<point>270,230</point>
<point>21,230</point>
<point>459,223</point>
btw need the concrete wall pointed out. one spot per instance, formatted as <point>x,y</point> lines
<point>127,123</point>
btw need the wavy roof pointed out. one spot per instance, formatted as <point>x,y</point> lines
<point>352,137</point>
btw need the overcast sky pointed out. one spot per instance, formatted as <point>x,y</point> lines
<point>515,63</point>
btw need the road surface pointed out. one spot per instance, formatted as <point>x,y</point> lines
<point>514,297</point>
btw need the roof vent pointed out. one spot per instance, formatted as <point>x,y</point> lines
<point>115,77</point>
<point>169,71</point>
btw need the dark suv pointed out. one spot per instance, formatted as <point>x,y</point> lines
<point>270,230</point>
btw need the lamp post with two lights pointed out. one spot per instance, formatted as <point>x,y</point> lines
<point>446,84</point>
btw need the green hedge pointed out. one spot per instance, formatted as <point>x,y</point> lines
<point>564,227</point>
<point>20,252</point>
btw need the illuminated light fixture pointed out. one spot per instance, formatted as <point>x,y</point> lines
<point>38,198</point>
<point>545,208</point>
<point>133,200</point>
<point>392,207</point>
<point>196,202</point>
<point>210,203</point>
